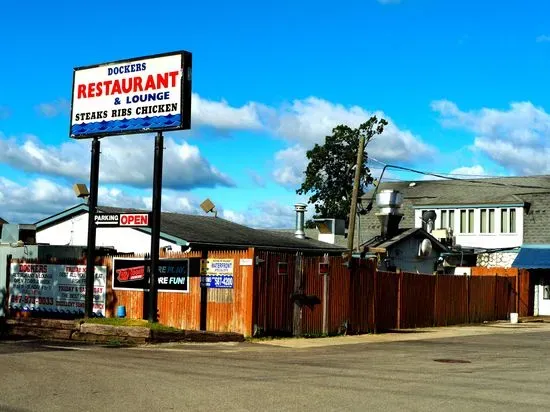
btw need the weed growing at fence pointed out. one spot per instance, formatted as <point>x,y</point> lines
<point>130,322</point>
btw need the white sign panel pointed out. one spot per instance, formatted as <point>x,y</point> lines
<point>245,262</point>
<point>55,288</point>
<point>132,96</point>
<point>220,266</point>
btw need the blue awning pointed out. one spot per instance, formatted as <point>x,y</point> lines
<point>533,257</point>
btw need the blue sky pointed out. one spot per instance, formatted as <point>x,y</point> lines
<point>463,84</point>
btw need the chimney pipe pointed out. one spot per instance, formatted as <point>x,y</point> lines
<point>300,222</point>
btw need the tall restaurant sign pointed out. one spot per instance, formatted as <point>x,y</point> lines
<point>140,95</point>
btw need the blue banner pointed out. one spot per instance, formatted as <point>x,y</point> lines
<point>217,281</point>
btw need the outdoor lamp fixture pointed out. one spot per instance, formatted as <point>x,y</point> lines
<point>208,207</point>
<point>81,191</point>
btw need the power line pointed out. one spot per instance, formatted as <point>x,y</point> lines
<point>450,177</point>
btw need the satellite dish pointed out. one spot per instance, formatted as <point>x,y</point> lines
<point>425,248</point>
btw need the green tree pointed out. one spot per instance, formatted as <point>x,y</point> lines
<point>330,173</point>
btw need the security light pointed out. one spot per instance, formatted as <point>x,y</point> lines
<point>80,190</point>
<point>208,207</point>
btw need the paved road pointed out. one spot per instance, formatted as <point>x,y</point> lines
<point>507,370</point>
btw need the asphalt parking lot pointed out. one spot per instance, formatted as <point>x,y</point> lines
<point>500,369</point>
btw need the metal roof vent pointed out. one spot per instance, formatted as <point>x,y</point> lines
<point>389,203</point>
<point>300,220</point>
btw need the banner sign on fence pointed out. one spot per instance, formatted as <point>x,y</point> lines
<point>134,274</point>
<point>219,274</point>
<point>55,288</point>
<point>145,94</point>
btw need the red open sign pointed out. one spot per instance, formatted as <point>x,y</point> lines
<point>134,219</point>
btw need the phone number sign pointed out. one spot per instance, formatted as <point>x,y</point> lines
<point>217,281</point>
<point>219,274</point>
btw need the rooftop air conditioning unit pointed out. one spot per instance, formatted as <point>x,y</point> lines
<point>13,234</point>
<point>330,228</point>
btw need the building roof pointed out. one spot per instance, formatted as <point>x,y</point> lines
<point>2,221</point>
<point>380,242</point>
<point>533,257</point>
<point>340,240</point>
<point>199,230</point>
<point>503,191</point>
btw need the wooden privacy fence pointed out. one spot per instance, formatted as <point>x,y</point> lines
<point>302,301</point>
<point>201,308</point>
<point>523,286</point>
<point>289,293</point>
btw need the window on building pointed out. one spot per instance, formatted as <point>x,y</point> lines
<point>491,220</point>
<point>452,219</point>
<point>443,222</point>
<point>546,292</point>
<point>504,228</point>
<point>483,220</point>
<point>508,221</point>
<point>467,221</point>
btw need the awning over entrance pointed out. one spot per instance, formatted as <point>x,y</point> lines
<point>533,257</point>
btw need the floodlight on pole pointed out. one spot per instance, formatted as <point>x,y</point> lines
<point>81,190</point>
<point>208,207</point>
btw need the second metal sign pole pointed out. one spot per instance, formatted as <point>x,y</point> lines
<point>155,227</point>
<point>92,206</point>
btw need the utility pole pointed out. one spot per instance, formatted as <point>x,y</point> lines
<point>355,195</point>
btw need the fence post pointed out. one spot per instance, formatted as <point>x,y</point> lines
<point>517,290</point>
<point>399,287</point>
<point>495,314</point>
<point>435,300</point>
<point>297,313</point>
<point>325,303</point>
<point>468,278</point>
<point>374,293</point>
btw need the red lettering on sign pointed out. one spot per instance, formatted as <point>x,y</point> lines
<point>134,220</point>
<point>135,273</point>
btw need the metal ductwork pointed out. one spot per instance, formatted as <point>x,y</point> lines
<point>300,220</point>
<point>389,204</point>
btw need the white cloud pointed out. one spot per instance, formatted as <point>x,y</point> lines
<point>268,214</point>
<point>31,201</point>
<point>124,159</point>
<point>476,170</point>
<point>517,138</point>
<point>291,164</point>
<point>55,108</point>
<point>309,121</point>
<point>543,38</point>
<point>219,114</point>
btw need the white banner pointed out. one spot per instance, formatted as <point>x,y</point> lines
<point>131,96</point>
<point>55,288</point>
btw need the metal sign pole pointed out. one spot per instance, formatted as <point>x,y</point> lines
<point>92,206</point>
<point>155,228</point>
